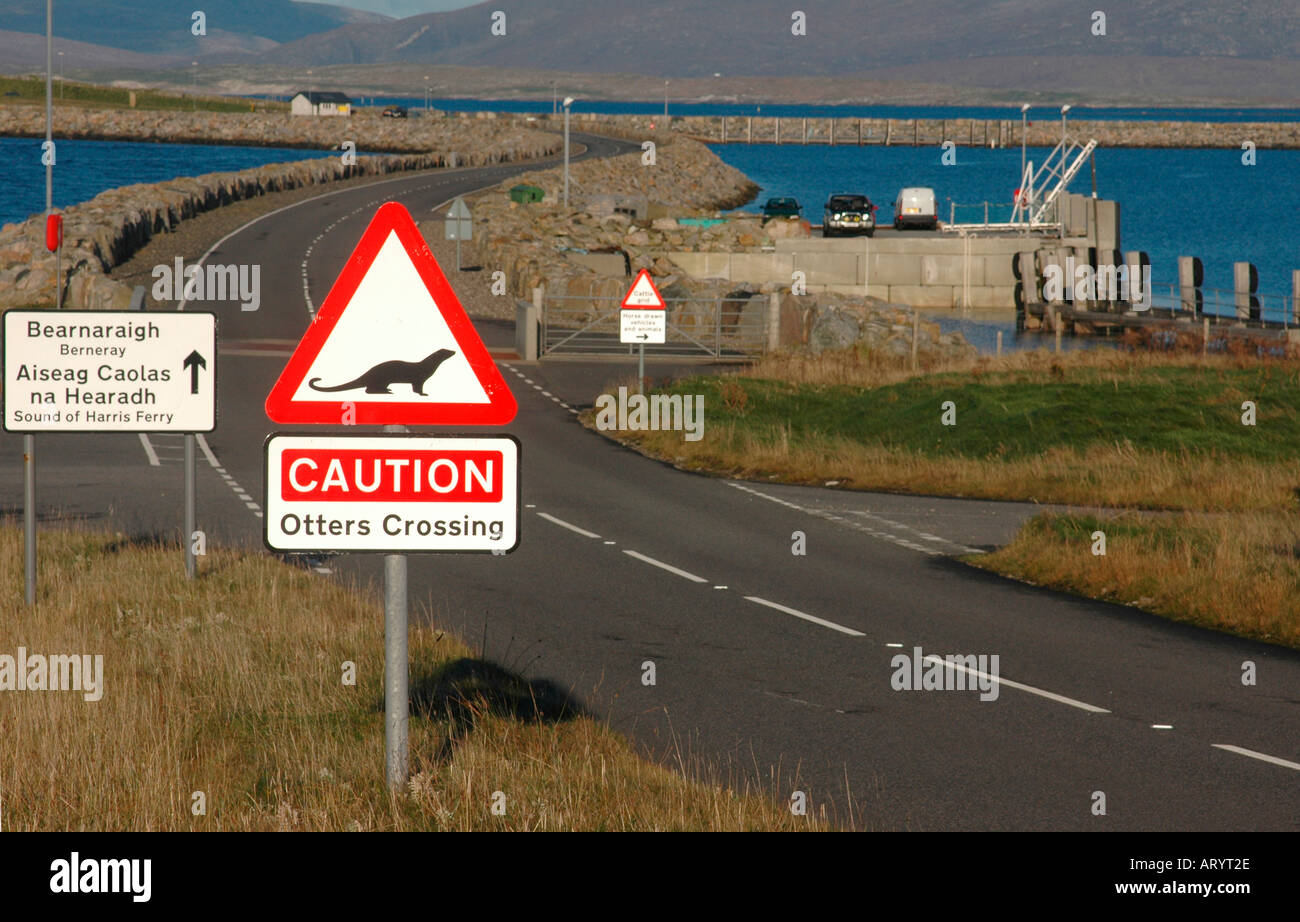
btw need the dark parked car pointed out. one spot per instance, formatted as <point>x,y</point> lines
<point>848,214</point>
<point>781,208</point>
<point>394,112</point>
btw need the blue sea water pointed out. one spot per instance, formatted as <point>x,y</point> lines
<point>86,168</point>
<point>1173,203</point>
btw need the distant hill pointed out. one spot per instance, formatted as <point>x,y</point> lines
<point>163,26</point>
<point>753,37</point>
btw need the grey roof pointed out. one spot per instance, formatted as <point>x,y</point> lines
<point>315,97</point>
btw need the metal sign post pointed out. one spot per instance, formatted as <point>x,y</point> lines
<point>397,678</point>
<point>188,537</point>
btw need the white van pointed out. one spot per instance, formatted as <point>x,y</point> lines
<point>914,207</point>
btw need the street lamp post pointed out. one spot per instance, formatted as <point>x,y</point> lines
<point>194,83</point>
<point>1024,128</point>
<point>665,99</point>
<point>1064,109</point>
<point>568,101</point>
<point>555,98</point>
<point>60,75</point>
<point>426,92</point>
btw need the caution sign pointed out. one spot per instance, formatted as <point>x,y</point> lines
<point>643,315</point>
<point>110,371</point>
<point>392,344</point>
<point>392,494</point>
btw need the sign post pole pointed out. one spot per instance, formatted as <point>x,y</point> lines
<point>396,677</point>
<point>397,703</point>
<point>29,515</point>
<point>188,537</point>
<point>640,368</point>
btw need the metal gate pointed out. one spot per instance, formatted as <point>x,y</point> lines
<point>720,328</point>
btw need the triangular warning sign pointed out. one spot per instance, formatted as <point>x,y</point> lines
<point>643,294</point>
<point>391,344</point>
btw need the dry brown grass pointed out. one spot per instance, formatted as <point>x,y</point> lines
<point>231,685</point>
<point>1107,475</point>
<point>1235,573</point>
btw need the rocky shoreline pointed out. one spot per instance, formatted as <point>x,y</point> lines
<point>105,231</point>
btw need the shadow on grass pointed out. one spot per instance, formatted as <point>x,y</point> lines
<point>465,689</point>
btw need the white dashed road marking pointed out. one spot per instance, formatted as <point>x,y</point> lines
<point>664,566</point>
<point>806,617</point>
<point>1263,757</point>
<point>1083,706</point>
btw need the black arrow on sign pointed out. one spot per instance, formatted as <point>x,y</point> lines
<point>194,362</point>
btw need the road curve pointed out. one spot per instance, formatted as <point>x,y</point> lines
<point>771,668</point>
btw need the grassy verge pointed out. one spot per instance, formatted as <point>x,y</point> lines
<point>31,90</point>
<point>232,685</point>
<point>1235,573</point>
<point>1097,428</point>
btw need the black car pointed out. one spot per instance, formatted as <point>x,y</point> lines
<point>394,112</point>
<point>848,214</point>
<point>782,207</point>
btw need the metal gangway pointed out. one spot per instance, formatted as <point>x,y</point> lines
<point>1040,191</point>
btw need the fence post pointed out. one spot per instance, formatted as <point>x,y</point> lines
<point>773,322</point>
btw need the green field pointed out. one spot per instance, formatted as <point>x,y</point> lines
<point>31,91</point>
<point>1098,429</point>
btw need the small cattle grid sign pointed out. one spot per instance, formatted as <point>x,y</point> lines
<point>110,371</point>
<point>392,494</point>
<point>643,317</point>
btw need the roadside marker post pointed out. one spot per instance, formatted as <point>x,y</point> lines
<point>108,371</point>
<point>643,318</point>
<point>391,345</point>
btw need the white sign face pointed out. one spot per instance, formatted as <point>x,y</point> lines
<point>395,494</point>
<point>110,371</point>
<point>642,326</point>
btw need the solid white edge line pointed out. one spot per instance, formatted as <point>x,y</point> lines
<point>148,450</point>
<point>207,450</point>
<point>570,527</point>
<point>1081,705</point>
<point>806,617</point>
<point>665,566</point>
<point>1262,756</point>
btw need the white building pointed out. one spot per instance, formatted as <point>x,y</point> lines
<point>309,102</point>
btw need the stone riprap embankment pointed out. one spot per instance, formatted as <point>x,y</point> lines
<point>105,231</point>
<point>626,214</point>
<point>1044,130</point>
<point>366,128</point>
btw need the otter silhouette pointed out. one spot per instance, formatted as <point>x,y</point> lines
<point>383,376</point>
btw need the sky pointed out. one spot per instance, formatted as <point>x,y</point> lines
<point>402,8</point>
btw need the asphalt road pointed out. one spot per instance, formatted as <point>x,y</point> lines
<point>771,669</point>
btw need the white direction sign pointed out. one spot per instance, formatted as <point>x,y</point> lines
<point>394,494</point>
<point>644,315</point>
<point>110,371</point>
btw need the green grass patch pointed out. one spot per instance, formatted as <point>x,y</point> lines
<point>31,90</point>
<point>1018,415</point>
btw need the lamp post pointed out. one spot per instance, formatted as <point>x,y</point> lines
<point>568,101</point>
<point>1064,109</point>
<point>555,98</point>
<point>194,83</point>
<point>1024,128</point>
<point>665,99</point>
<point>60,75</point>
<point>426,92</point>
